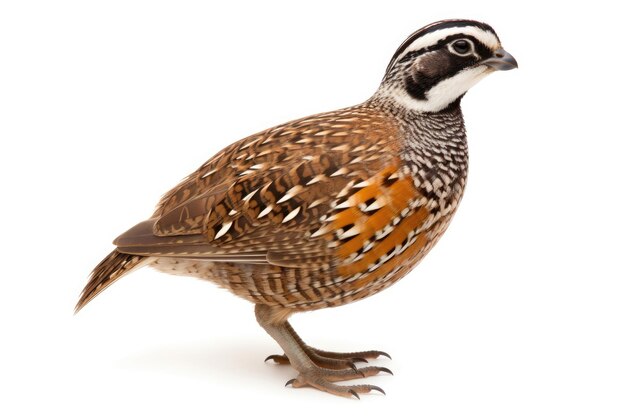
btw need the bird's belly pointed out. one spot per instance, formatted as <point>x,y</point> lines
<point>295,288</point>
<point>238,278</point>
<point>303,288</point>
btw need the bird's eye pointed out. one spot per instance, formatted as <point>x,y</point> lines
<point>462,46</point>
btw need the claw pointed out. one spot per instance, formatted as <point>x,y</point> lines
<point>379,389</point>
<point>380,353</point>
<point>280,359</point>
<point>353,392</point>
<point>362,360</point>
<point>383,369</point>
<point>353,366</point>
<point>290,382</point>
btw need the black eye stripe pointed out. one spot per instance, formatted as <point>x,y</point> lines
<point>481,49</point>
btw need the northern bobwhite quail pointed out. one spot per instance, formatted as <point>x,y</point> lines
<point>327,209</point>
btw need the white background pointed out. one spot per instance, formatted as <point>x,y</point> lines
<point>520,310</point>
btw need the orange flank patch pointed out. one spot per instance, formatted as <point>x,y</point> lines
<point>397,236</point>
<point>391,264</point>
<point>401,192</point>
<point>390,202</point>
<point>372,210</point>
<point>348,216</point>
<point>361,196</point>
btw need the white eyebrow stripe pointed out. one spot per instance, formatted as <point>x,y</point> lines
<point>486,37</point>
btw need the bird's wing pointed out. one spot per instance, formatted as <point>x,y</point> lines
<point>266,198</point>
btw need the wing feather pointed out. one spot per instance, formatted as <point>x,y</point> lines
<point>261,199</point>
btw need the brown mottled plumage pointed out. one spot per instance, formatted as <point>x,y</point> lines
<point>327,209</point>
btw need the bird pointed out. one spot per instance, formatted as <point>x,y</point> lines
<point>327,209</point>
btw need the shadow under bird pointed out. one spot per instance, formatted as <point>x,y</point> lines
<point>328,209</point>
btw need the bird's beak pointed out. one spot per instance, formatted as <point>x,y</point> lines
<point>501,60</point>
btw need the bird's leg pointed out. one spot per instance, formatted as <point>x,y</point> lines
<point>325,359</point>
<point>302,360</point>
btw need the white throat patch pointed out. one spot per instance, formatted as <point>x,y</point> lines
<point>442,94</point>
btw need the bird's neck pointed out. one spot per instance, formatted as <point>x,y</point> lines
<point>433,148</point>
<point>444,128</point>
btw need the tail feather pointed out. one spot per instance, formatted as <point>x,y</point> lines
<point>109,270</point>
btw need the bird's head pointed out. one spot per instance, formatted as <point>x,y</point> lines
<point>435,66</point>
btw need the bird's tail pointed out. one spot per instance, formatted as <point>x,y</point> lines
<point>109,270</point>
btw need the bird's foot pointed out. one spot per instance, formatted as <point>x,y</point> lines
<point>329,367</point>
<point>332,360</point>
<point>318,368</point>
<point>323,379</point>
